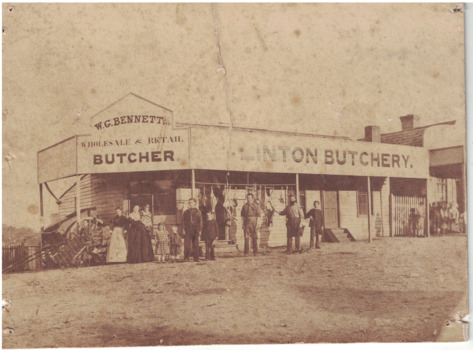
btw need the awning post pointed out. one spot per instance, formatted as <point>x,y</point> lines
<point>192,183</point>
<point>41,207</point>
<point>298,196</point>
<point>78,198</point>
<point>427,208</point>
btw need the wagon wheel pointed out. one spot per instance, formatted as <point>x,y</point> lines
<point>85,230</point>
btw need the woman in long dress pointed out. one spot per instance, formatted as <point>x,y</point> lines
<point>117,250</point>
<point>139,243</point>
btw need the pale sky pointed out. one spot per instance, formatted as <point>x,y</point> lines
<point>323,68</point>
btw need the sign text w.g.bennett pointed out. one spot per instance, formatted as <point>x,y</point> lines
<point>132,119</point>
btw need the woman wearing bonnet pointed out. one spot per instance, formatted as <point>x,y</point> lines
<point>139,242</point>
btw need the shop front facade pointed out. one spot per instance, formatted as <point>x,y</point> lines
<point>135,154</point>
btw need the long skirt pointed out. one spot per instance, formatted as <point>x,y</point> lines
<point>140,248</point>
<point>117,251</point>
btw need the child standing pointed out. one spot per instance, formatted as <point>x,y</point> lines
<point>174,243</point>
<point>162,243</point>
<point>413,222</point>
<point>209,234</point>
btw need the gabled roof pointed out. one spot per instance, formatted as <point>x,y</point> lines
<point>123,97</point>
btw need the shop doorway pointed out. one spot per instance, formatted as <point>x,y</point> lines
<point>331,209</point>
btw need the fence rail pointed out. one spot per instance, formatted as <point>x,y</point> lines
<point>19,258</point>
<point>400,209</point>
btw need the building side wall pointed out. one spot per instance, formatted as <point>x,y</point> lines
<point>68,201</point>
<point>108,192</point>
<point>377,217</point>
<point>349,219</point>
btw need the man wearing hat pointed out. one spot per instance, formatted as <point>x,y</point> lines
<point>192,219</point>
<point>250,212</point>
<point>294,216</point>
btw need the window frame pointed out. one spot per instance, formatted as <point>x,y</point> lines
<point>360,205</point>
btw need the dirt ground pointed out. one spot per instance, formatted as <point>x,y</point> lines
<point>390,290</point>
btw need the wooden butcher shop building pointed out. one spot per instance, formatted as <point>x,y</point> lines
<point>135,153</point>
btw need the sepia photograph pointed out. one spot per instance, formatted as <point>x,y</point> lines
<point>246,173</point>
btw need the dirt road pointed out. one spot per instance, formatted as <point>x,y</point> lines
<point>392,290</point>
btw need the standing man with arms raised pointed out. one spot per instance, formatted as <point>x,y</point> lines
<point>192,219</point>
<point>294,216</point>
<point>316,224</point>
<point>250,214</point>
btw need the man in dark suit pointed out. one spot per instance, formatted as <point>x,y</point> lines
<point>192,219</point>
<point>221,217</point>
<point>250,213</point>
<point>316,224</point>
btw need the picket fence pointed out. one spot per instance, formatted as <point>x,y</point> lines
<point>400,209</point>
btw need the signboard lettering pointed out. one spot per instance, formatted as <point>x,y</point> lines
<point>330,156</point>
<point>132,119</point>
<point>132,157</point>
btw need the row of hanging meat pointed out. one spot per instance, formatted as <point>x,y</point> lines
<point>234,196</point>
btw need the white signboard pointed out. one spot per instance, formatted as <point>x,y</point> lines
<point>258,151</point>
<point>133,135</point>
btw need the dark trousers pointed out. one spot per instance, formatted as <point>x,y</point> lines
<point>209,250</point>
<point>221,231</point>
<point>297,239</point>
<point>250,231</point>
<point>191,241</point>
<point>292,226</point>
<point>314,233</point>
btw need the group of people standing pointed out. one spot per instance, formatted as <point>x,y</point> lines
<point>196,228</point>
<point>250,213</point>
<point>131,237</point>
<point>133,241</point>
<point>446,218</point>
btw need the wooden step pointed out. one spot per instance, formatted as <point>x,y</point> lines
<point>222,246</point>
<point>338,234</point>
<point>222,243</point>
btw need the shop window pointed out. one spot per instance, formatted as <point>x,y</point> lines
<point>165,203</point>
<point>441,190</point>
<point>164,198</point>
<point>362,203</point>
<point>161,193</point>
